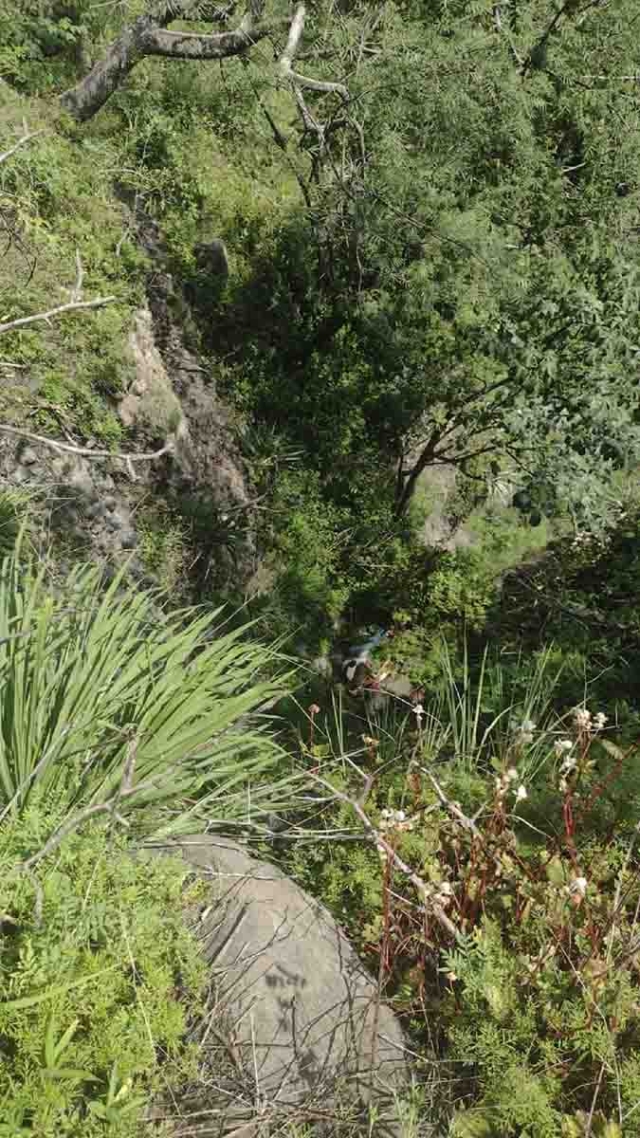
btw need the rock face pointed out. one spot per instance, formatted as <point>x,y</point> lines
<point>304,1009</point>
<point>150,402</point>
<point>212,256</point>
<point>94,504</point>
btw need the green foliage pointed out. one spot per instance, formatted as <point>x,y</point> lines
<point>56,202</point>
<point>462,287</point>
<point>582,597</point>
<point>307,547</point>
<point>163,549</point>
<point>9,521</point>
<point>95,682</point>
<point>98,979</point>
<point>46,44</point>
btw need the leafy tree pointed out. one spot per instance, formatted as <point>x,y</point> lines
<point>482,266</point>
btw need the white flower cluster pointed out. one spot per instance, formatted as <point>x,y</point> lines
<point>585,538</point>
<point>541,960</point>
<point>505,782</point>
<point>578,887</point>
<point>587,723</point>
<point>563,749</point>
<point>394,820</point>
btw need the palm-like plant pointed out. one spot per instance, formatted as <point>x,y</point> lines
<point>105,699</point>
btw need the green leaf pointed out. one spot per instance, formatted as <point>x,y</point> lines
<point>70,1073</point>
<point>54,990</point>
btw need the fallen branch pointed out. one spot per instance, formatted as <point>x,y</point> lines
<point>108,807</point>
<point>72,305</point>
<point>86,452</point>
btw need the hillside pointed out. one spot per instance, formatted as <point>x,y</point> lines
<point>319,336</point>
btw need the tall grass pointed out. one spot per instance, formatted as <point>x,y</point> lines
<point>102,695</point>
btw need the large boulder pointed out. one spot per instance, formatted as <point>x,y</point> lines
<point>306,1016</point>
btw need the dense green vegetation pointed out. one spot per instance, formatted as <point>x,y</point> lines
<point>99,977</point>
<point>427,341</point>
<point>118,722</point>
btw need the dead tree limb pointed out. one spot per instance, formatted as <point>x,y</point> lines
<point>149,35</point>
<point>285,64</point>
<point>72,305</point>
<point>86,452</point>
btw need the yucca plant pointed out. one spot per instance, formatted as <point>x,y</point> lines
<point>106,699</point>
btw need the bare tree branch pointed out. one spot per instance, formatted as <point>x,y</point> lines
<point>191,45</point>
<point>72,306</point>
<point>286,61</point>
<point>453,808</point>
<point>569,8</point>
<point>76,291</point>
<point>78,820</point>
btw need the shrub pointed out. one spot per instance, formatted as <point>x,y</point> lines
<point>514,962</point>
<point>99,977</point>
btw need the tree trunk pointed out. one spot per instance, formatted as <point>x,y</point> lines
<point>86,99</point>
<point>408,490</point>
<point>405,492</point>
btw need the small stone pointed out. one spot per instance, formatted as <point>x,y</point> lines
<point>114,521</point>
<point>80,481</point>
<point>128,539</point>
<point>110,502</point>
<point>28,456</point>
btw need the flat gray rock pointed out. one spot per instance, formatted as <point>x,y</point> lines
<point>303,1009</point>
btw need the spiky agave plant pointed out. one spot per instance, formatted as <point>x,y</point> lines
<point>105,699</point>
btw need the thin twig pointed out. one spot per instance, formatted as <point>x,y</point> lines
<point>380,843</point>
<point>78,820</point>
<point>37,912</point>
<point>453,808</point>
<point>76,291</point>
<point>587,1133</point>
